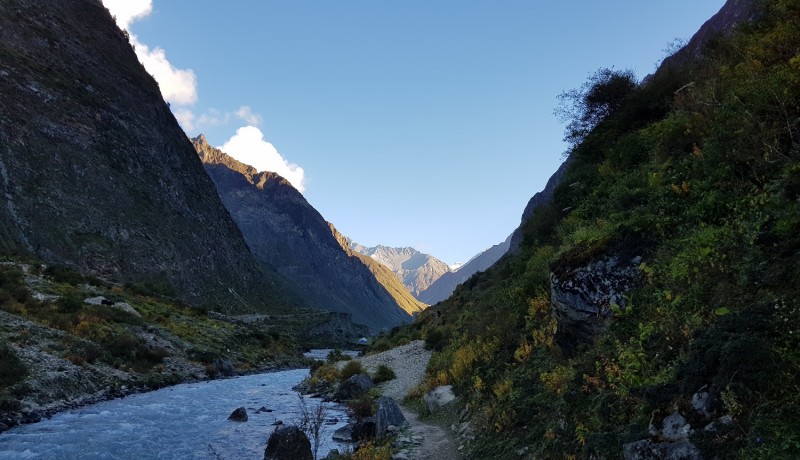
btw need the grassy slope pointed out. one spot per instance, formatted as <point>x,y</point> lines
<point>703,182</point>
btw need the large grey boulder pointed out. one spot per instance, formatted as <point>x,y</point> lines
<point>388,413</point>
<point>238,415</point>
<point>353,387</point>
<point>649,450</point>
<point>288,442</point>
<point>224,367</point>
<point>438,397</point>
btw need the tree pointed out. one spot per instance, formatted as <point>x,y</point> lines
<point>600,97</point>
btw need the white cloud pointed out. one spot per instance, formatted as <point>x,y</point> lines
<point>178,86</point>
<point>245,113</point>
<point>249,146</point>
<point>127,11</point>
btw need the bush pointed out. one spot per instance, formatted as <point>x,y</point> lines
<point>350,369</point>
<point>12,370</point>
<point>326,372</point>
<point>384,373</point>
<point>362,407</point>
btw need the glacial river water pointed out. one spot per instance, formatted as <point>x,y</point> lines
<point>187,421</point>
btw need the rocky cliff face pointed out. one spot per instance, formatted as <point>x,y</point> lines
<point>289,236</point>
<point>95,172</point>
<point>443,287</point>
<point>416,270</point>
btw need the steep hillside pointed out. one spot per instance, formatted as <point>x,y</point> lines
<point>288,235</point>
<point>416,270</point>
<point>386,277</point>
<point>651,309</point>
<point>443,287</point>
<point>95,172</point>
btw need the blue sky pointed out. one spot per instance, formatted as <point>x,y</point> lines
<point>406,123</point>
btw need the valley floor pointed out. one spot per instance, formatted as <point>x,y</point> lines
<point>409,363</point>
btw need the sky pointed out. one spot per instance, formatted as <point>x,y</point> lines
<point>415,123</point>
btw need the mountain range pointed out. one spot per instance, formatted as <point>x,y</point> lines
<point>289,237</point>
<point>416,270</point>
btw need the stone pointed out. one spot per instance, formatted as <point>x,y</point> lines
<point>646,449</point>
<point>703,403</point>
<point>344,434</point>
<point>675,428</point>
<point>238,415</point>
<point>224,367</point>
<point>438,397</point>
<point>353,387</point>
<point>288,443</point>
<point>127,308</point>
<point>364,429</point>
<point>388,414</point>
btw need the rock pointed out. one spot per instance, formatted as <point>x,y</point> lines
<point>388,414</point>
<point>400,456</point>
<point>675,428</point>
<point>649,450</point>
<point>353,387</point>
<point>438,397</point>
<point>583,293</point>
<point>238,415</point>
<point>224,367</point>
<point>95,300</point>
<point>703,403</point>
<point>364,429</point>
<point>277,423</point>
<point>288,443</point>
<point>344,434</point>
<point>126,308</point>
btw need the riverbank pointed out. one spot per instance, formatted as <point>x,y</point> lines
<point>434,440</point>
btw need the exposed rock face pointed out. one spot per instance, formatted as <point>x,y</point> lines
<point>416,270</point>
<point>582,297</point>
<point>289,236</point>
<point>388,413</point>
<point>443,287</point>
<point>288,442</point>
<point>733,13</point>
<point>95,172</point>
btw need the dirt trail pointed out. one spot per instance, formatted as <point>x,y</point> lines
<point>430,441</point>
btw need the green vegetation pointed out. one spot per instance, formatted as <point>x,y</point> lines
<point>698,172</point>
<point>383,373</point>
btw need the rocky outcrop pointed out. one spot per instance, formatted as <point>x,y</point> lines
<point>417,271</point>
<point>584,295</point>
<point>732,14</point>
<point>337,330</point>
<point>443,287</point>
<point>288,236</point>
<point>288,442</point>
<point>96,173</point>
<point>649,450</point>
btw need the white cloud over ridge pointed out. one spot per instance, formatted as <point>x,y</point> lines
<point>178,86</point>
<point>249,146</point>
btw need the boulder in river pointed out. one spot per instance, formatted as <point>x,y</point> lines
<point>288,442</point>
<point>238,415</point>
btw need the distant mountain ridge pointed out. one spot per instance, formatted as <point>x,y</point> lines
<point>443,287</point>
<point>416,270</point>
<point>287,235</point>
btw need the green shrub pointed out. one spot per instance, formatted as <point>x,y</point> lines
<point>361,407</point>
<point>350,369</point>
<point>384,373</point>
<point>12,370</point>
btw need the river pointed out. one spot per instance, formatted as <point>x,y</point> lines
<point>187,421</point>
